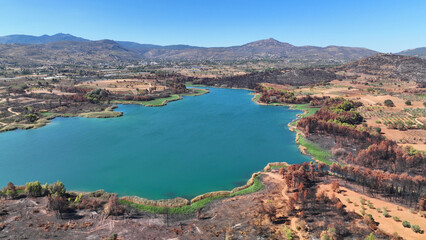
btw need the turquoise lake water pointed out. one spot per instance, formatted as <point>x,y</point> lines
<point>188,147</point>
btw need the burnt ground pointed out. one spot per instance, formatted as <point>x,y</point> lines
<point>239,217</point>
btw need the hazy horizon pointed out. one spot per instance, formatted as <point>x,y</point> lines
<point>384,26</point>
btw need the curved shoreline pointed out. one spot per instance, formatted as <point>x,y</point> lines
<point>304,150</point>
<point>200,200</point>
<point>168,202</point>
<point>107,113</point>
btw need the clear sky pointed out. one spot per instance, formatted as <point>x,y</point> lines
<point>382,25</point>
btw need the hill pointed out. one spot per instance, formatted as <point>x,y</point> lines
<point>90,52</point>
<point>147,47</point>
<point>67,49</point>
<point>416,52</point>
<point>264,49</point>
<point>28,39</point>
<point>390,66</point>
<point>294,77</point>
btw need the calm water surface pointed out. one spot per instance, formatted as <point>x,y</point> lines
<point>189,147</point>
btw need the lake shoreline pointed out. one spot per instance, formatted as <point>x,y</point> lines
<point>180,202</point>
<point>107,113</point>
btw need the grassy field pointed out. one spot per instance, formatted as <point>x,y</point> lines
<point>256,186</point>
<point>316,151</point>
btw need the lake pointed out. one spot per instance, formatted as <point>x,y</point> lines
<point>196,145</point>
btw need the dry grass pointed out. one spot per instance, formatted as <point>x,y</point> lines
<point>386,224</point>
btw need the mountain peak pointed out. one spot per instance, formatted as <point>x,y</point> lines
<point>270,42</point>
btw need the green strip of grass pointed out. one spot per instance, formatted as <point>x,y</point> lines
<point>160,101</point>
<point>256,186</point>
<point>47,114</point>
<point>304,107</point>
<point>256,98</point>
<point>153,103</point>
<point>103,114</point>
<point>195,92</point>
<point>189,84</point>
<point>316,151</point>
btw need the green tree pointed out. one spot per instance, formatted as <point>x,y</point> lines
<point>389,103</point>
<point>33,189</point>
<point>57,189</point>
<point>31,117</point>
<point>416,228</point>
<point>406,224</point>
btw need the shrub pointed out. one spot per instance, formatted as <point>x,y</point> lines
<point>368,218</point>
<point>288,233</point>
<point>416,228</point>
<point>57,189</point>
<point>11,190</point>
<point>396,219</point>
<point>385,213</point>
<point>379,210</point>
<point>362,201</point>
<point>348,200</point>
<point>33,189</point>
<point>325,236</point>
<point>31,117</point>
<point>370,237</point>
<point>370,205</point>
<point>389,103</point>
<point>406,224</point>
<point>378,121</point>
<point>408,102</point>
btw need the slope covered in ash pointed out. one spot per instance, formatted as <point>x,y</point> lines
<point>295,77</point>
<point>390,66</point>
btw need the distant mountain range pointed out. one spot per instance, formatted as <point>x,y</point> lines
<point>28,39</point>
<point>68,49</point>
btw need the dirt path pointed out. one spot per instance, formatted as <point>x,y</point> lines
<point>276,178</point>
<point>387,225</point>
<point>11,111</point>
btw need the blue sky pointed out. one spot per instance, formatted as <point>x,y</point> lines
<point>382,25</point>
